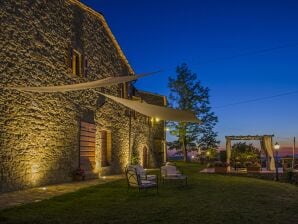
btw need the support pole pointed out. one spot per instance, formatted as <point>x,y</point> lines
<point>294,146</point>
<point>165,143</point>
<point>228,152</point>
<point>276,166</point>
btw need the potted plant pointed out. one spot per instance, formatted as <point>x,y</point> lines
<point>79,174</point>
<point>253,167</point>
<point>220,167</point>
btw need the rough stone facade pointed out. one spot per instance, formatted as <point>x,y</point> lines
<point>39,132</point>
<point>157,129</point>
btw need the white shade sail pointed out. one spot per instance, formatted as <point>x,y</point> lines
<point>82,86</point>
<point>151,110</point>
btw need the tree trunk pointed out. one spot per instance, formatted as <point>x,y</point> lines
<point>184,150</point>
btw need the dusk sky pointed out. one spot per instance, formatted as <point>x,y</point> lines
<point>220,41</point>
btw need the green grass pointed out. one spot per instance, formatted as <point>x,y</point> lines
<point>207,199</point>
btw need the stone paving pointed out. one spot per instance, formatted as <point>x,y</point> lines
<point>17,198</point>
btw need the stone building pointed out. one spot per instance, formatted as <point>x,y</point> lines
<point>44,137</point>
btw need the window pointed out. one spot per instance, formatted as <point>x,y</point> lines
<point>127,90</point>
<point>123,90</point>
<point>78,63</point>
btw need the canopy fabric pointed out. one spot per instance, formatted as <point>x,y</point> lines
<point>151,110</point>
<point>82,86</point>
<point>267,146</point>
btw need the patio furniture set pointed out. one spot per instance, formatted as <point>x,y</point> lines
<point>138,178</point>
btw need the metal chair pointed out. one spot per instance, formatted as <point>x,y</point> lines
<point>143,174</point>
<point>134,180</point>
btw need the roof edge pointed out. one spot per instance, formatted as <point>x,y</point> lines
<point>110,34</point>
<point>146,92</point>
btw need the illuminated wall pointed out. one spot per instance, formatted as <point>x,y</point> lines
<point>39,133</point>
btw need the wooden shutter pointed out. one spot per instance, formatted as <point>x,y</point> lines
<point>87,146</point>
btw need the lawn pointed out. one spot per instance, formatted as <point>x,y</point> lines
<point>208,198</point>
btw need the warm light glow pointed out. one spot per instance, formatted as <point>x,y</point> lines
<point>167,129</point>
<point>152,119</point>
<point>207,153</point>
<point>157,119</point>
<point>276,146</point>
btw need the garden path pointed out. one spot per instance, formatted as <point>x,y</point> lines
<point>37,194</point>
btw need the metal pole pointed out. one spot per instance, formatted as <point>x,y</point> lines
<point>276,166</point>
<point>293,160</point>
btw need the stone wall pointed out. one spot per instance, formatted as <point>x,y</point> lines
<point>39,132</point>
<point>157,129</point>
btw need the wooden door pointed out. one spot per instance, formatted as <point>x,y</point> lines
<point>106,148</point>
<point>87,146</point>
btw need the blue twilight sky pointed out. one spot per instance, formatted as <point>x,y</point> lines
<point>161,34</point>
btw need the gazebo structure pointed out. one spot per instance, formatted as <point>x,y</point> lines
<point>266,147</point>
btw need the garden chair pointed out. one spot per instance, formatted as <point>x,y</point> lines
<point>170,172</point>
<point>143,174</point>
<point>134,180</point>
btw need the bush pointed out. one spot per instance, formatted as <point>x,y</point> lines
<point>135,159</point>
<point>248,164</point>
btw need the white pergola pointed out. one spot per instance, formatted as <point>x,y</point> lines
<point>266,147</point>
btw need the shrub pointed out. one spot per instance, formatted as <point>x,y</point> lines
<point>135,159</point>
<point>248,164</point>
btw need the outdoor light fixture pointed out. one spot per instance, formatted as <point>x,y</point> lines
<point>207,154</point>
<point>276,148</point>
<point>167,129</point>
